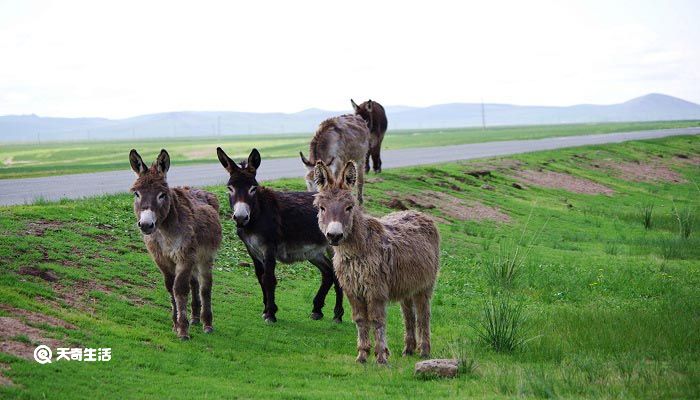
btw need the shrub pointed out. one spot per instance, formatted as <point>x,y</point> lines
<point>501,325</point>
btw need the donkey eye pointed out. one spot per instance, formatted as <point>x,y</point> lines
<point>323,209</point>
<point>252,190</point>
<point>161,196</point>
<point>137,195</point>
<point>348,208</point>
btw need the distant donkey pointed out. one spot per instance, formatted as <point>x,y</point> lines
<point>278,226</point>
<point>182,232</point>
<point>337,141</point>
<point>393,258</point>
<point>373,113</point>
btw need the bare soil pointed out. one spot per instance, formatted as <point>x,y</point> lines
<point>448,205</point>
<point>643,171</point>
<point>558,180</point>
<point>11,328</point>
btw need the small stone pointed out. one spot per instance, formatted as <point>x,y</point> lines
<point>245,264</point>
<point>446,368</point>
<point>486,186</point>
<point>518,186</point>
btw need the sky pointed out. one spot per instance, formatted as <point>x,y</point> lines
<point>123,58</point>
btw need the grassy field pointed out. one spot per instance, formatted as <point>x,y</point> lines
<point>602,306</point>
<point>27,160</point>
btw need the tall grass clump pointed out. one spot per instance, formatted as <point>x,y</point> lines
<point>686,221</point>
<point>646,213</point>
<point>503,269</point>
<point>460,350</point>
<point>502,325</point>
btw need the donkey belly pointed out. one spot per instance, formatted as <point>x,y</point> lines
<point>299,252</point>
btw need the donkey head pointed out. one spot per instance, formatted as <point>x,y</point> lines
<point>242,185</point>
<point>364,110</point>
<point>309,177</point>
<point>151,192</point>
<point>335,201</point>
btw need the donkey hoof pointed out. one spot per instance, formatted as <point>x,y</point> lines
<point>381,360</point>
<point>316,315</point>
<point>208,329</point>
<point>184,337</point>
<point>195,321</point>
<point>408,352</point>
<point>270,319</point>
<point>338,320</point>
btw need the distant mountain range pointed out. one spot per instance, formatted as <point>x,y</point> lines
<point>652,107</point>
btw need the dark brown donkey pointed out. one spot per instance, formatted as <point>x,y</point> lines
<point>278,226</point>
<point>182,232</point>
<point>373,113</point>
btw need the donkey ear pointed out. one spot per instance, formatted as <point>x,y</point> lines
<point>349,174</point>
<point>224,159</point>
<point>254,159</point>
<point>137,163</point>
<point>323,177</point>
<point>163,162</point>
<point>354,105</point>
<point>368,107</point>
<point>305,160</point>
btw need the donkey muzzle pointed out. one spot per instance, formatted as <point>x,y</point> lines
<point>147,222</point>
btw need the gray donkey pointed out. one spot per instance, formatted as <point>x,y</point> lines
<point>182,232</point>
<point>377,260</point>
<point>337,141</point>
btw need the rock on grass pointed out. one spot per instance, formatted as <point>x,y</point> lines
<point>441,368</point>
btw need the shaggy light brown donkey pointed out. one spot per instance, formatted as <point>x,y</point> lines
<point>377,260</point>
<point>182,232</point>
<point>337,141</point>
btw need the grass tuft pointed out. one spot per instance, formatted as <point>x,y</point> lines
<point>686,221</point>
<point>501,326</point>
<point>646,213</point>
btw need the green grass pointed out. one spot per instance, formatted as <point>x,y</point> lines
<point>599,320</point>
<point>58,158</point>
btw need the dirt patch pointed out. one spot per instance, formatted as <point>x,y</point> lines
<point>374,179</point>
<point>45,274</point>
<point>78,293</point>
<point>451,206</point>
<point>38,228</point>
<point>558,180</point>
<point>35,318</point>
<point>643,172</point>
<point>20,339</point>
<point>5,381</point>
<point>686,159</point>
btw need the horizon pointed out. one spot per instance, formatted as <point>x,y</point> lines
<point>348,109</point>
<point>81,59</point>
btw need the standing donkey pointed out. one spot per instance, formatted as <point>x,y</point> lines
<point>182,232</point>
<point>337,141</point>
<point>278,226</point>
<point>373,113</point>
<point>377,260</point>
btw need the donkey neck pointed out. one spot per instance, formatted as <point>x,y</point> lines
<point>357,241</point>
<point>172,221</point>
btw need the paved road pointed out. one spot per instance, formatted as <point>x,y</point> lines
<point>27,190</point>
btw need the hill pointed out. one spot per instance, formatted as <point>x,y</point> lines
<point>32,128</point>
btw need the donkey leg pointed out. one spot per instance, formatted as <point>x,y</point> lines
<point>409,321</point>
<point>326,283</point>
<point>181,289</point>
<point>196,303</point>
<point>360,185</point>
<point>169,282</point>
<point>422,302</point>
<point>377,315</point>
<point>338,310</point>
<point>367,162</point>
<point>270,282</point>
<point>359,316</point>
<point>376,160</point>
<point>205,284</point>
<point>259,272</point>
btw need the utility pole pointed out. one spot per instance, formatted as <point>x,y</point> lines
<point>483,115</point>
